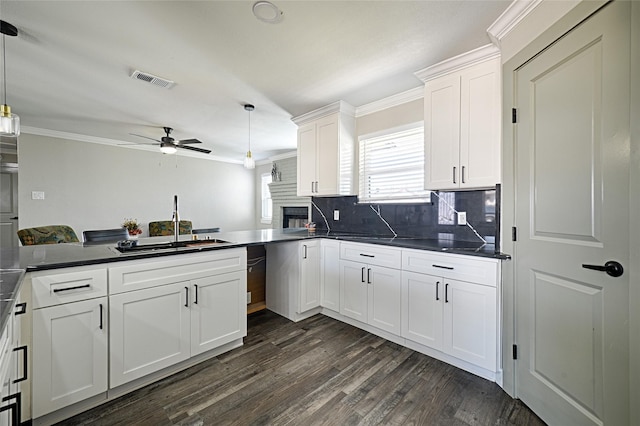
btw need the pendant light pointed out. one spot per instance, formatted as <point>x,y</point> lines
<point>249,163</point>
<point>9,123</point>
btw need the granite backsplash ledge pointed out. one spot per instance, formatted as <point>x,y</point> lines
<point>433,220</point>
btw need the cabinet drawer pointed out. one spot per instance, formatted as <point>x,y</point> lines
<point>67,285</point>
<point>371,254</point>
<point>136,275</point>
<point>458,267</point>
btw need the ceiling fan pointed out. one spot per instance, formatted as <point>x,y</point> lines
<point>168,144</point>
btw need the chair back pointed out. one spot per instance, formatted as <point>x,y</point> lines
<point>100,236</point>
<point>165,228</point>
<point>51,234</point>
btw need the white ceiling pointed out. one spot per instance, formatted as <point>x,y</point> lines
<point>68,70</point>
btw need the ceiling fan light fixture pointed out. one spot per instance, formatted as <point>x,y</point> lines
<point>249,162</point>
<point>168,148</point>
<point>9,123</point>
<point>267,12</point>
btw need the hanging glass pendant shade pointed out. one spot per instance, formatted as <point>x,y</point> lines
<point>249,162</point>
<point>9,122</point>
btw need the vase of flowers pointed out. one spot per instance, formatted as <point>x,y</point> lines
<point>133,227</point>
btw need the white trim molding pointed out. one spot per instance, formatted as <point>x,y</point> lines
<point>391,101</point>
<point>339,106</point>
<point>510,18</point>
<point>464,60</point>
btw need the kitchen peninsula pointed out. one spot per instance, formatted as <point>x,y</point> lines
<point>148,314</point>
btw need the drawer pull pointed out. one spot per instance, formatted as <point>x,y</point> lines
<point>367,255</point>
<point>443,267</point>
<point>57,290</point>
<point>24,363</point>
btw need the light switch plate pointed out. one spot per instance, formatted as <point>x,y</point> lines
<point>336,215</point>
<point>462,218</point>
<point>37,195</point>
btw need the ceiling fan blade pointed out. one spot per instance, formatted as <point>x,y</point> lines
<point>146,137</point>
<point>186,141</point>
<point>205,151</point>
<point>137,143</point>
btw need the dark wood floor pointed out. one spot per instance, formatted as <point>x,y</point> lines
<point>317,371</point>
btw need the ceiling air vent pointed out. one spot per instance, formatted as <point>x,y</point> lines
<point>158,81</point>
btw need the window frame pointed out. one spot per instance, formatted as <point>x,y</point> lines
<point>265,199</point>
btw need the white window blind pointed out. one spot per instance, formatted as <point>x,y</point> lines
<point>392,167</point>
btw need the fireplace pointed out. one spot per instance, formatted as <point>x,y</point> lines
<point>294,217</point>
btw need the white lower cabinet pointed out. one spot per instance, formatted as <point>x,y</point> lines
<point>70,329</point>
<point>371,293</point>
<point>150,330</point>
<point>70,354</point>
<point>455,317</point>
<point>188,312</point>
<point>293,278</point>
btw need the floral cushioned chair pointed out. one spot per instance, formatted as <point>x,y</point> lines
<point>52,234</point>
<point>165,228</point>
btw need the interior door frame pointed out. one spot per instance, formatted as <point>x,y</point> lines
<point>572,18</point>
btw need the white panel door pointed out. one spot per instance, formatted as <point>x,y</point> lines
<point>306,159</point>
<point>218,310</point>
<point>422,308</point>
<point>69,354</point>
<point>470,323</point>
<point>442,133</point>
<point>480,125</point>
<point>150,330</point>
<point>330,274</point>
<point>353,290</point>
<point>572,186</point>
<point>385,298</point>
<point>309,275</point>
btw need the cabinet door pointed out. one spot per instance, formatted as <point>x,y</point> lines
<point>23,351</point>
<point>422,308</point>
<point>442,133</point>
<point>480,155</point>
<point>309,275</point>
<point>470,323</point>
<point>306,159</point>
<point>353,290</point>
<point>330,275</point>
<point>218,310</point>
<point>150,330</point>
<point>384,298</point>
<point>69,354</point>
<point>327,153</point>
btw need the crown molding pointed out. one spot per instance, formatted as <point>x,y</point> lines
<point>465,60</point>
<point>391,101</point>
<point>113,142</point>
<point>339,106</point>
<point>510,18</point>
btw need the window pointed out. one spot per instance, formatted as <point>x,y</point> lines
<point>267,205</point>
<point>392,167</point>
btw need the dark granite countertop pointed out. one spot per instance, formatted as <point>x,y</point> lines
<point>14,262</point>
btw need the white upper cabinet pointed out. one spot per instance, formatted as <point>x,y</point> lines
<point>462,112</point>
<point>326,151</point>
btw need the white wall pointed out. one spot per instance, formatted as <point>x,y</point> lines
<point>92,186</point>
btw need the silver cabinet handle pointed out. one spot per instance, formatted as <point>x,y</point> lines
<point>454,174</point>
<point>463,174</point>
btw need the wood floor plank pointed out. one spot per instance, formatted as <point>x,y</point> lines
<point>319,371</point>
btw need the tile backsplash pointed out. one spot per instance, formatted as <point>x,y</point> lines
<point>436,219</point>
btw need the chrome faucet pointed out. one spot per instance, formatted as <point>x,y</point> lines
<point>175,219</point>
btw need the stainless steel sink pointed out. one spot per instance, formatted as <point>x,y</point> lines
<point>170,245</point>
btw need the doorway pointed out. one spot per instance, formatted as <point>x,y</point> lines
<point>8,205</point>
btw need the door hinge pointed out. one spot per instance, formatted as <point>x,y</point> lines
<point>514,233</point>
<point>514,115</point>
<point>515,351</point>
